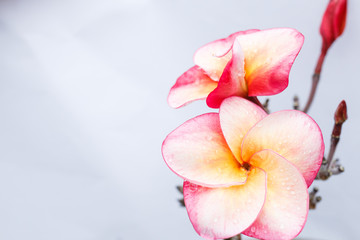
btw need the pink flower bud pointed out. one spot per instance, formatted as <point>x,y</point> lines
<point>333,22</point>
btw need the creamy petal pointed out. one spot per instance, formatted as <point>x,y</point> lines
<point>197,151</point>
<point>292,134</point>
<point>237,117</point>
<point>214,56</point>
<point>224,212</point>
<point>287,201</point>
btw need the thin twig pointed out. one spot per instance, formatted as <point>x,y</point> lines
<point>296,103</point>
<point>315,80</point>
<point>266,105</point>
<point>237,237</point>
<point>331,166</point>
<point>257,102</point>
<point>181,200</point>
<point>313,199</point>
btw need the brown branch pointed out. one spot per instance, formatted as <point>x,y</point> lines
<point>313,199</point>
<point>331,166</point>
<point>266,105</point>
<point>296,103</point>
<point>315,81</point>
<point>237,237</point>
<point>257,102</point>
<point>181,200</point>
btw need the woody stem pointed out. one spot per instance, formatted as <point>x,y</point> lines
<point>257,102</point>
<point>315,80</point>
<point>237,237</point>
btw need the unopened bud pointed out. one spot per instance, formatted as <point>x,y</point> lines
<point>341,113</point>
<point>333,22</point>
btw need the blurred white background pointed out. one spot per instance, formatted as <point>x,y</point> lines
<point>83,87</point>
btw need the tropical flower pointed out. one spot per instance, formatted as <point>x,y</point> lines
<point>245,171</point>
<point>248,63</point>
<point>333,22</point>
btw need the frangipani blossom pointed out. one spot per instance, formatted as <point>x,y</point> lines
<point>245,171</point>
<point>248,63</point>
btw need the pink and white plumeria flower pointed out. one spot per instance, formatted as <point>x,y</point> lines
<point>245,171</point>
<point>248,63</point>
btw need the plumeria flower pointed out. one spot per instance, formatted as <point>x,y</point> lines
<point>245,171</point>
<point>333,22</point>
<point>246,64</point>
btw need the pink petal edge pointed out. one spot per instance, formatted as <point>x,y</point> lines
<point>192,85</point>
<point>218,213</point>
<point>232,81</point>
<point>269,55</point>
<point>287,202</point>
<point>292,134</point>
<point>197,151</point>
<point>214,56</point>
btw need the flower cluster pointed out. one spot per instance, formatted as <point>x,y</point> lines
<point>245,171</point>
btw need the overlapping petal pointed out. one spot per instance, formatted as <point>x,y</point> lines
<point>237,117</point>
<point>247,63</point>
<point>198,152</point>
<point>214,56</point>
<point>292,134</point>
<point>232,81</point>
<point>269,55</point>
<point>224,212</point>
<point>286,207</point>
<point>194,84</point>
<point>245,171</point>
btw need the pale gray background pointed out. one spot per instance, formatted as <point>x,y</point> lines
<point>83,87</point>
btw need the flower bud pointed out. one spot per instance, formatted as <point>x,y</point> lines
<point>341,113</point>
<point>333,22</point>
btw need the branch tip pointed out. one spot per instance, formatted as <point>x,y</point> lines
<point>180,189</point>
